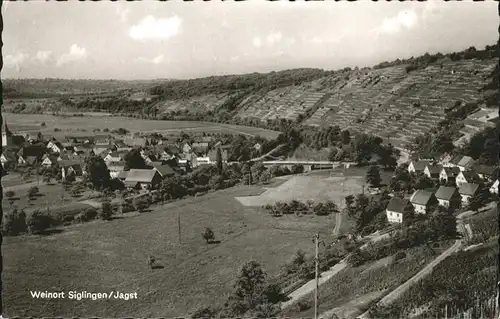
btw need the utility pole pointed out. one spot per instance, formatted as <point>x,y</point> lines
<point>316,259</point>
<point>179,225</point>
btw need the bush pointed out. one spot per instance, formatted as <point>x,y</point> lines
<point>14,223</point>
<point>106,211</point>
<point>304,305</point>
<point>400,255</point>
<point>88,214</point>
<point>38,221</point>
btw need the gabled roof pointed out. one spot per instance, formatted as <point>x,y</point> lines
<point>421,197</point>
<point>451,171</point>
<point>420,165</point>
<point>445,192</point>
<point>434,169</point>
<point>70,163</point>
<point>115,155</point>
<point>466,160</point>
<point>165,170</point>
<point>397,205</point>
<point>456,159</point>
<point>484,169</point>
<point>468,189</point>
<point>31,159</point>
<point>469,175</point>
<point>141,175</point>
<point>122,174</point>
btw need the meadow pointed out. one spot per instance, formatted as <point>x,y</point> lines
<point>103,256</point>
<point>87,124</point>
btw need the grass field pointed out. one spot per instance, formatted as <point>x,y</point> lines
<point>89,123</point>
<point>103,256</point>
<point>317,187</point>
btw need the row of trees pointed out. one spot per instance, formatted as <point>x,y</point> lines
<point>300,208</point>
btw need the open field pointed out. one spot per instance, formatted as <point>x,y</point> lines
<point>88,123</point>
<point>104,256</point>
<point>309,187</point>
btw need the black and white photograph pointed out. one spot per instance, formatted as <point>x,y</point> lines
<point>250,159</point>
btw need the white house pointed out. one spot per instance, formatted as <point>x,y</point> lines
<point>397,209</point>
<point>113,157</point>
<point>494,187</point>
<point>71,168</point>
<point>49,161</point>
<point>445,195</point>
<point>467,190</point>
<point>115,168</point>
<point>422,201</point>
<point>449,173</point>
<point>55,146</point>
<point>433,171</point>
<point>186,148</point>
<point>466,177</point>
<point>417,166</point>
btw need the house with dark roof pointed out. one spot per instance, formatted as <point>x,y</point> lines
<point>50,160</point>
<point>54,146</point>
<point>433,171</point>
<point>449,174</point>
<point>467,190</point>
<point>397,209</point>
<point>446,195</point>
<point>485,172</point>
<point>165,170</point>
<point>212,155</point>
<point>466,177</point>
<point>453,162</point>
<point>71,168</point>
<point>417,166</point>
<point>143,179</point>
<point>114,157</point>
<point>422,200</point>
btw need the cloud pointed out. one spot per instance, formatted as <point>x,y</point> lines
<point>16,60</point>
<point>151,28</point>
<point>42,56</point>
<point>274,37</point>
<point>404,19</point>
<point>156,60</point>
<point>257,42</point>
<point>75,53</point>
<point>122,12</point>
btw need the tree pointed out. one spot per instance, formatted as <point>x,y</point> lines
<point>218,159</point>
<point>479,199</point>
<point>38,221</point>
<point>250,285</point>
<point>14,223</point>
<point>265,177</point>
<point>297,169</point>
<point>208,235</point>
<point>373,176</point>
<point>134,160</point>
<point>106,212</point>
<point>140,204</point>
<point>349,201</point>
<point>97,172</point>
<point>32,192</point>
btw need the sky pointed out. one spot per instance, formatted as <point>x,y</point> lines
<point>175,39</point>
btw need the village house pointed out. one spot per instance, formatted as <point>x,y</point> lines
<point>186,148</point>
<point>465,163</point>
<point>122,175</point>
<point>466,177</point>
<point>164,170</point>
<point>417,166</point>
<point>115,168</point>
<point>146,179</point>
<point>200,147</point>
<point>7,157</point>
<point>397,209</point>
<point>453,162</point>
<point>184,165</point>
<point>213,156</point>
<point>55,147</point>
<point>466,191</point>
<point>114,157</point>
<point>49,161</point>
<point>422,201</point>
<point>433,171</point>
<point>484,172</point>
<point>449,174</point>
<point>494,187</point>
<point>69,168</point>
<point>446,195</point>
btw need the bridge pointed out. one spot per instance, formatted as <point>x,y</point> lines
<point>308,165</point>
